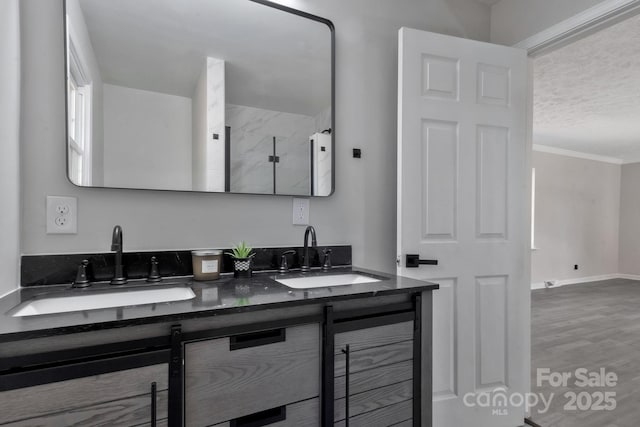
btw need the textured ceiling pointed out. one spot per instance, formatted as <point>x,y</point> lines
<point>488,2</point>
<point>587,94</point>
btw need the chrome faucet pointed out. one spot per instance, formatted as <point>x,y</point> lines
<point>306,265</point>
<point>116,245</point>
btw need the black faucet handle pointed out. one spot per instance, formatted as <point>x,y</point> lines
<point>82,281</point>
<point>284,266</point>
<point>154,271</point>
<point>326,265</point>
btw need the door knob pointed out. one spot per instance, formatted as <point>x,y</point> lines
<point>414,261</point>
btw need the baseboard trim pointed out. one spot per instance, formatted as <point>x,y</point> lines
<point>540,285</point>
<point>629,276</point>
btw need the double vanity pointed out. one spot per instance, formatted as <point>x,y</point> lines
<point>343,347</point>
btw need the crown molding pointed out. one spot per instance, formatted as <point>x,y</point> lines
<point>594,18</point>
<point>576,154</point>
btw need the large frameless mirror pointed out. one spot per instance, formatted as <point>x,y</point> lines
<point>199,95</point>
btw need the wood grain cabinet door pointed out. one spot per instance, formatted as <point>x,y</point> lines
<point>373,376</point>
<point>300,414</point>
<point>233,377</point>
<point>123,398</point>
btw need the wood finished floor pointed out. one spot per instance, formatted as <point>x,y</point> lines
<point>593,326</point>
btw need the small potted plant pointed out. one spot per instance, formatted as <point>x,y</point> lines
<point>241,254</point>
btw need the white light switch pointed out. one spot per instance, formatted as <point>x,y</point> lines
<point>300,211</point>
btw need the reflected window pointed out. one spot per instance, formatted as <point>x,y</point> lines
<point>79,116</point>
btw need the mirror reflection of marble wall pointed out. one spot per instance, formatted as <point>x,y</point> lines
<point>197,95</point>
<point>253,131</point>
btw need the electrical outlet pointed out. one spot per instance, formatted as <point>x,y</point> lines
<point>62,215</point>
<point>300,211</point>
<point>61,221</point>
<point>62,209</point>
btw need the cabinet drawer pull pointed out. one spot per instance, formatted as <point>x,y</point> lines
<point>347,357</point>
<point>260,419</point>
<point>255,339</point>
<point>154,412</point>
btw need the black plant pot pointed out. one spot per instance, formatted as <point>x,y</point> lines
<point>242,267</point>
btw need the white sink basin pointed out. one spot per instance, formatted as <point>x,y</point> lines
<point>103,300</point>
<point>325,281</point>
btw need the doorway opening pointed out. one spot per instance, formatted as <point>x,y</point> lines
<point>585,269</point>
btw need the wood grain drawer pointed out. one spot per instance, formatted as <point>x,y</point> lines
<point>229,378</point>
<point>388,416</point>
<point>159,423</point>
<point>301,414</point>
<point>373,337</point>
<point>80,397</point>
<point>124,412</point>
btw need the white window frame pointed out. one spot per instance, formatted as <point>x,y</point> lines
<point>80,125</point>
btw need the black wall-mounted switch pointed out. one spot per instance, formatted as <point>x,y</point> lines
<point>575,267</point>
<point>216,136</point>
<point>357,153</point>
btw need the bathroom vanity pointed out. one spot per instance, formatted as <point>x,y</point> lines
<point>195,101</point>
<point>243,352</point>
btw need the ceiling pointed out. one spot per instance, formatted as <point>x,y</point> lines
<point>274,60</point>
<point>587,94</point>
<point>489,2</point>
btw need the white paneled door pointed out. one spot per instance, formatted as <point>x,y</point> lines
<point>462,200</point>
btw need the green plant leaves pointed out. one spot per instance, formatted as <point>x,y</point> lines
<point>241,250</point>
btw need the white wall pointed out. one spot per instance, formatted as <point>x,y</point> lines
<point>577,218</point>
<point>216,148</point>
<point>147,139</point>
<point>199,132</point>
<point>630,219</point>
<point>9,139</point>
<point>362,212</point>
<point>515,20</point>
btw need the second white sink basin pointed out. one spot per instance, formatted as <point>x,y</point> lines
<point>325,281</point>
<point>94,301</point>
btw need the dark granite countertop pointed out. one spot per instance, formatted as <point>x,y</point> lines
<point>226,295</point>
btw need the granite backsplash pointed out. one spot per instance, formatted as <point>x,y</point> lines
<point>39,270</point>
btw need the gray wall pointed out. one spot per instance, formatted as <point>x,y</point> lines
<point>9,134</point>
<point>515,20</point>
<point>577,217</point>
<point>630,219</point>
<point>362,211</point>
